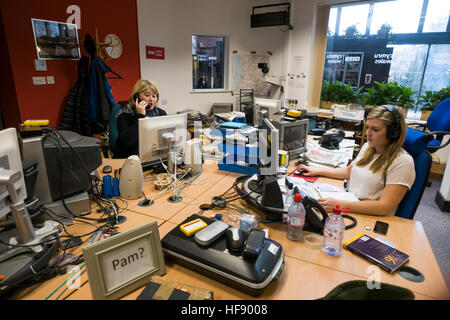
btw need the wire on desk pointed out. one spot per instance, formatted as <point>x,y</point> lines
<point>73,274</point>
<point>67,287</point>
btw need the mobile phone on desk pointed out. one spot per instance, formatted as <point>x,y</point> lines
<point>381,227</point>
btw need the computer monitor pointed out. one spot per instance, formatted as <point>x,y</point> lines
<point>293,136</point>
<point>272,106</point>
<point>65,160</point>
<point>152,146</point>
<point>10,159</point>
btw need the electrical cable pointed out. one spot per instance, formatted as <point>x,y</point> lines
<point>73,274</point>
<point>67,287</point>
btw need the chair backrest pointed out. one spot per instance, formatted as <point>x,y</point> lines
<point>422,164</point>
<point>439,119</point>
<point>113,130</point>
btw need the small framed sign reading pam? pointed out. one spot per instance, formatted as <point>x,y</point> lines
<point>119,265</point>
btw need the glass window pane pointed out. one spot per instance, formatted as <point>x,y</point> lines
<point>436,19</point>
<point>208,62</point>
<point>332,21</point>
<point>402,15</point>
<point>408,62</point>
<point>437,72</point>
<point>354,15</point>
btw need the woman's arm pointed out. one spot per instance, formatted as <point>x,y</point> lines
<point>336,173</point>
<point>390,198</point>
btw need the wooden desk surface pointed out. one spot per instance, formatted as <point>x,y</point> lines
<point>308,273</point>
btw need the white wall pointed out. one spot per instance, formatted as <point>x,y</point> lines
<point>300,44</point>
<point>171,23</point>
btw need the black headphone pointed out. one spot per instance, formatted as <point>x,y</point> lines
<point>394,131</point>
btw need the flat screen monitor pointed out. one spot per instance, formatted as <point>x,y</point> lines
<point>293,136</point>
<point>152,146</point>
<point>10,159</point>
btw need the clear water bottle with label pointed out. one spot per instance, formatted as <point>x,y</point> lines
<point>333,233</point>
<point>289,195</point>
<point>296,219</point>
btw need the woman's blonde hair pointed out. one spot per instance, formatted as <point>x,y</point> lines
<point>393,148</point>
<point>141,86</point>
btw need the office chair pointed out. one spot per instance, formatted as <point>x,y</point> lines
<point>113,131</point>
<point>422,164</point>
<point>438,124</point>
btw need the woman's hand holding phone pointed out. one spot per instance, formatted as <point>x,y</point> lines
<point>140,105</point>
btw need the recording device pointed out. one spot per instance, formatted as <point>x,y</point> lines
<point>381,227</point>
<point>254,244</point>
<point>235,239</point>
<point>212,232</point>
<point>331,139</point>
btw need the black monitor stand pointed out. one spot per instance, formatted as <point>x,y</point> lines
<point>268,187</point>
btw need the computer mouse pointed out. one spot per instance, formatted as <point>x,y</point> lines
<point>235,239</point>
<point>300,172</point>
<point>107,169</point>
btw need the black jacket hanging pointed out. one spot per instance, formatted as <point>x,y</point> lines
<point>75,116</point>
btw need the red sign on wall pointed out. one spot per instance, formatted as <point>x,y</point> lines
<point>154,52</point>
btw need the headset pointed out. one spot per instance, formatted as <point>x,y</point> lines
<point>394,131</point>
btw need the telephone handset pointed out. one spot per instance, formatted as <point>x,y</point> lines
<point>136,97</point>
<point>315,215</point>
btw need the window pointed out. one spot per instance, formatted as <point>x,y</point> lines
<point>437,16</point>
<point>437,73</point>
<point>402,15</point>
<point>406,41</point>
<point>408,62</point>
<point>353,16</point>
<point>208,62</point>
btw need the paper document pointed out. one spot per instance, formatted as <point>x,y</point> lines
<point>346,196</point>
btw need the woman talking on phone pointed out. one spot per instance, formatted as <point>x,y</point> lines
<point>142,103</point>
<point>382,172</point>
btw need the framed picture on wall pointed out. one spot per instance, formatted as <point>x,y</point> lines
<point>56,40</point>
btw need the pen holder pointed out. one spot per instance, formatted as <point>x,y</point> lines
<point>107,187</point>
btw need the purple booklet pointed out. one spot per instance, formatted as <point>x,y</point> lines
<point>377,252</point>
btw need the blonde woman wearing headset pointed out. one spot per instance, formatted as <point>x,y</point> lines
<point>382,172</point>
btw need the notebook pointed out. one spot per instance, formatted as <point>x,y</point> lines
<point>377,252</point>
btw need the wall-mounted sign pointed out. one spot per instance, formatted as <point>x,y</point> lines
<point>155,52</point>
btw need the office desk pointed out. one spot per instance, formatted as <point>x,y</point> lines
<point>308,273</point>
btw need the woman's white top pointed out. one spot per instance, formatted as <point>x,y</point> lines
<point>367,185</point>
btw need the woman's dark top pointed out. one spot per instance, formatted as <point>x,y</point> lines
<point>127,125</point>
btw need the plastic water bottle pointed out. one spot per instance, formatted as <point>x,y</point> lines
<point>296,219</point>
<point>333,233</point>
<point>289,195</point>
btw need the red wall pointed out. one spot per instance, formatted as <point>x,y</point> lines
<point>19,98</point>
